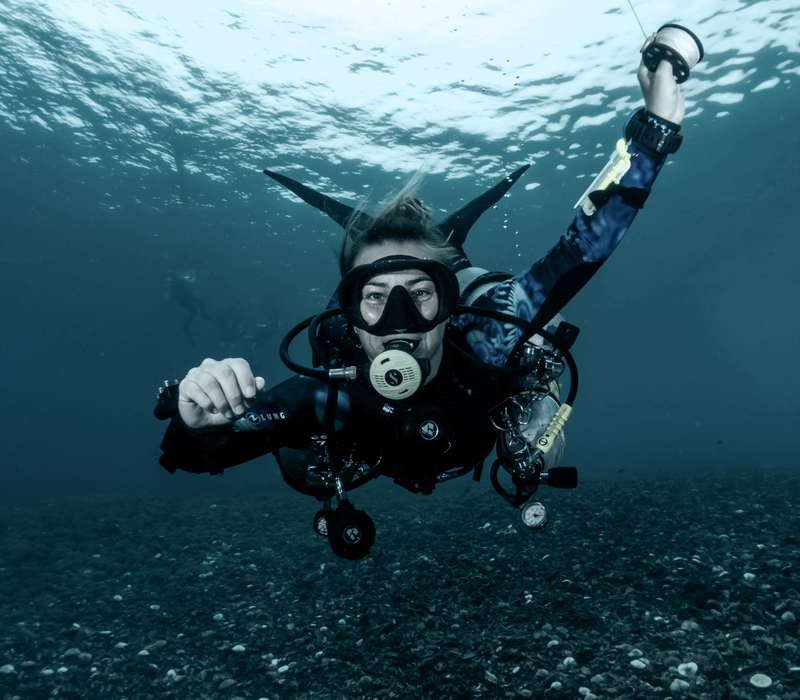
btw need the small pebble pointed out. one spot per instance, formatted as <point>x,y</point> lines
<point>219,616</point>
<point>569,662</point>
<point>8,668</point>
<point>636,653</point>
<point>283,669</point>
<point>761,681</point>
<point>555,685</point>
<point>788,616</point>
<point>640,663</point>
<point>525,693</point>
<point>238,648</point>
<point>690,626</point>
<point>749,577</point>
<point>679,686</point>
<point>689,670</point>
<point>227,684</point>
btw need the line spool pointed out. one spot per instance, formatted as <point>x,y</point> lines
<point>675,44</point>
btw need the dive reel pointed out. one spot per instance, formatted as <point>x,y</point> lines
<point>530,423</point>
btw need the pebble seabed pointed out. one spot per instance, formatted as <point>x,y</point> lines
<point>639,587</point>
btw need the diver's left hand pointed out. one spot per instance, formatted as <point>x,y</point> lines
<point>662,94</point>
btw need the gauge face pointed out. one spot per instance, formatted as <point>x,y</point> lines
<point>534,515</point>
<point>321,523</point>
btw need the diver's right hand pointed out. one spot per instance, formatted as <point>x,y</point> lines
<point>218,392</point>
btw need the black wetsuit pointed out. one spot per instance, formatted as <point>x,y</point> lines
<point>290,414</point>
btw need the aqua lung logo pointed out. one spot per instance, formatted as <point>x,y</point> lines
<point>393,377</point>
<point>256,418</point>
<point>429,430</point>
<point>352,534</point>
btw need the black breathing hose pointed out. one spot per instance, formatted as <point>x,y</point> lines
<point>313,322</point>
<point>532,330</point>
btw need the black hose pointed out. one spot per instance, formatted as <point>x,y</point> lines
<point>313,323</point>
<point>532,330</point>
<point>289,362</point>
<point>313,337</point>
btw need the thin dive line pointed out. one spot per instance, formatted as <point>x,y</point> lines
<point>637,19</point>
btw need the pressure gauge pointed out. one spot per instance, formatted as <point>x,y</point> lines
<point>321,522</point>
<point>534,514</point>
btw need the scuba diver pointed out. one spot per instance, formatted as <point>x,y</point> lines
<point>423,364</point>
<point>182,289</point>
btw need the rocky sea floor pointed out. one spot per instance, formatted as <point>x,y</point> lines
<point>639,587</point>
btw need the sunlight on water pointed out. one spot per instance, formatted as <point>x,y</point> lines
<point>352,79</point>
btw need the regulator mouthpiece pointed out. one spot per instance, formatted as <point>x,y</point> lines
<point>675,44</point>
<point>395,373</point>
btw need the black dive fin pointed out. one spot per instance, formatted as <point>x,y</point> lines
<point>457,225</point>
<point>339,212</point>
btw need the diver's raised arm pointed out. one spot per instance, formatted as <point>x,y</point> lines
<point>661,92</point>
<point>218,392</point>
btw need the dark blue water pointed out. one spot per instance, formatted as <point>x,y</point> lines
<point>131,145</point>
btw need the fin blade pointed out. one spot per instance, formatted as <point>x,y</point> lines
<point>458,224</point>
<point>340,213</point>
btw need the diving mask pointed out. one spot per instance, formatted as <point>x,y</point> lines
<point>400,313</point>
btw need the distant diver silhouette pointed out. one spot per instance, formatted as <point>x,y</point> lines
<point>182,289</point>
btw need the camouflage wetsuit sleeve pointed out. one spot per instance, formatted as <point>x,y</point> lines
<point>539,293</point>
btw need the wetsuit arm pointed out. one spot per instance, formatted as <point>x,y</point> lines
<point>286,415</point>
<point>554,280</point>
<point>540,292</point>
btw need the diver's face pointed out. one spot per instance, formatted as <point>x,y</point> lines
<point>422,290</point>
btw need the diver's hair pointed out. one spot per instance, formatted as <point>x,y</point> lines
<point>400,218</point>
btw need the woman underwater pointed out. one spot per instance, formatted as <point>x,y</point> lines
<point>399,293</point>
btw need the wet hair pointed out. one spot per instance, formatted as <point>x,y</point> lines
<point>401,218</point>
